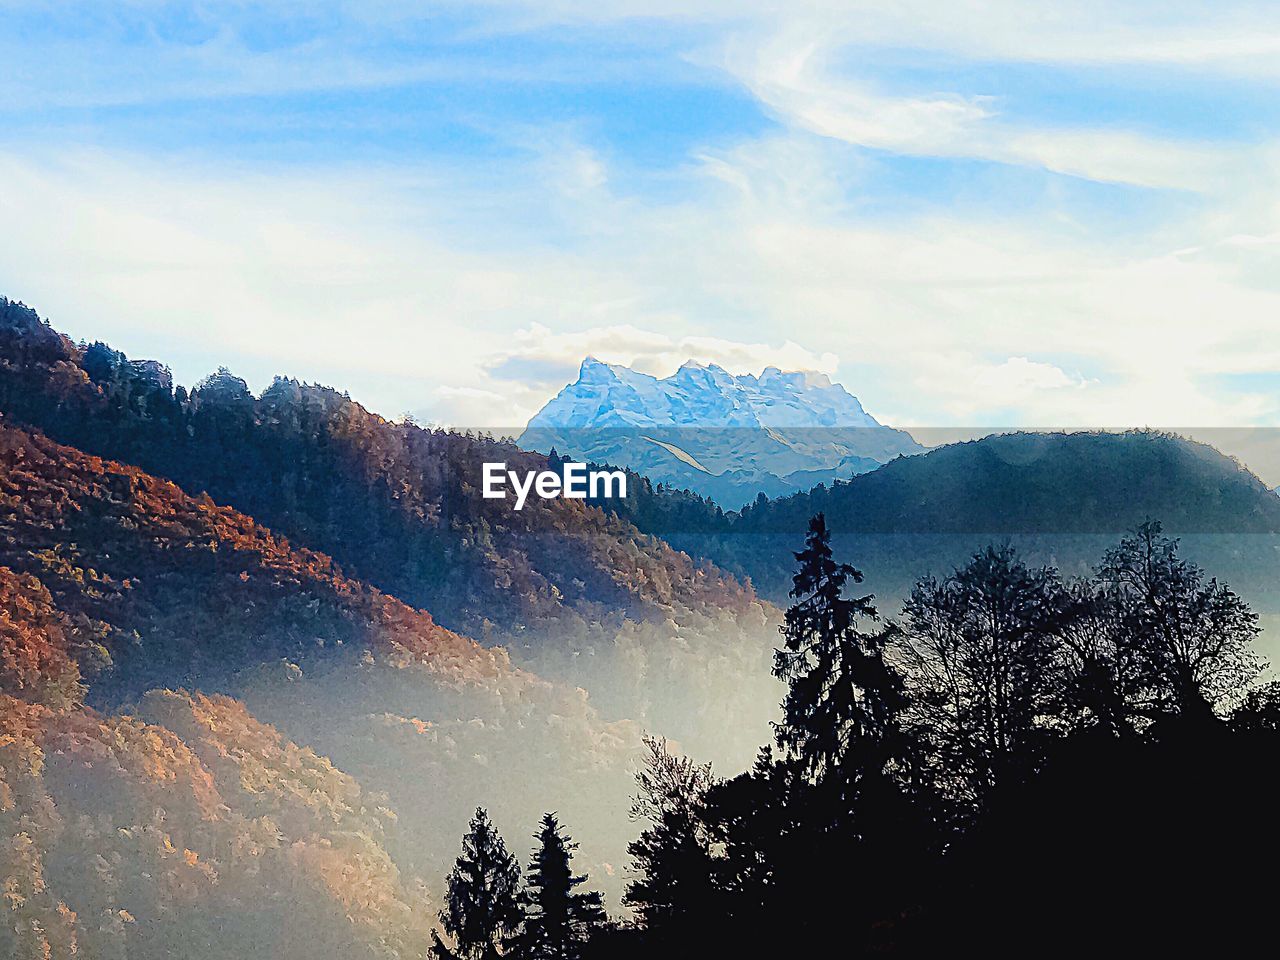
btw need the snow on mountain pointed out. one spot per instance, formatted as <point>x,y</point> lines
<point>724,436</point>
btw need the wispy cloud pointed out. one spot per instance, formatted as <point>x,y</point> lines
<point>792,71</point>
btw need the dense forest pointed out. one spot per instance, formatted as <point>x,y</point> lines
<point>190,829</point>
<point>395,503</point>
<point>116,584</point>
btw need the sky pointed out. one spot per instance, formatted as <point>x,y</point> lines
<point>970,213</point>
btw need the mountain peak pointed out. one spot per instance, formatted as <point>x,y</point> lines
<point>703,395</point>
<point>765,427</point>
<point>596,371</point>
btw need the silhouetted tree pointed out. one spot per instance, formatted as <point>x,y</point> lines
<point>843,698</point>
<point>824,834</point>
<point>753,820</point>
<point>1100,679</point>
<point>558,920</point>
<point>1259,712</point>
<point>981,646</point>
<point>1191,639</point>
<point>671,858</point>
<point>482,912</point>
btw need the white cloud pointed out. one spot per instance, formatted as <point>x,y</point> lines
<point>1011,382</point>
<point>792,71</point>
<point>541,357</point>
<point>1236,37</point>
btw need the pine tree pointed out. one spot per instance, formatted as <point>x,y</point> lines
<point>841,709</point>
<point>482,912</point>
<point>558,921</point>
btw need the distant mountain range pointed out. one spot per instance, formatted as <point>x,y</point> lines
<point>729,438</point>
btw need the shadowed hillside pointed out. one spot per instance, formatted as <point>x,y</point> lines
<point>1040,483</point>
<point>1061,497</point>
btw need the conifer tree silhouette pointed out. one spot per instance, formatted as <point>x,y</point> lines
<point>559,920</point>
<point>482,911</point>
<point>843,699</point>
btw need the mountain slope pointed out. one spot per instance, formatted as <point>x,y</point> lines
<point>723,436</point>
<point>396,504</point>
<point>575,593</point>
<point>120,583</point>
<point>203,836</point>
<point>167,588</point>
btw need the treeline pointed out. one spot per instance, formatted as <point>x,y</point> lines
<point>1019,763</point>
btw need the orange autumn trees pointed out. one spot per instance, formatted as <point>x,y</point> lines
<point>34,640</point>
<point>117,585</point>
<point>148,580</point>
<point>120,837</point>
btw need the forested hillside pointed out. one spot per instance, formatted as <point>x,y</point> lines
<point>117,584</point>
<point>575,593</point>
<point>1040,483</point>
<point>190,829</point>
<point>397,504</point>
<point>158,587</point>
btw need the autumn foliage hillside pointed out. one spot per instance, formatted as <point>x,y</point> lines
<point>211,836</point>
<point>149,585</point>
<point>140,830</point>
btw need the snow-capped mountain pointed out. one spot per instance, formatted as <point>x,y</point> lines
<point>724,436</point>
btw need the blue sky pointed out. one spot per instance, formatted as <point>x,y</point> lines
<point>983,213</point>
